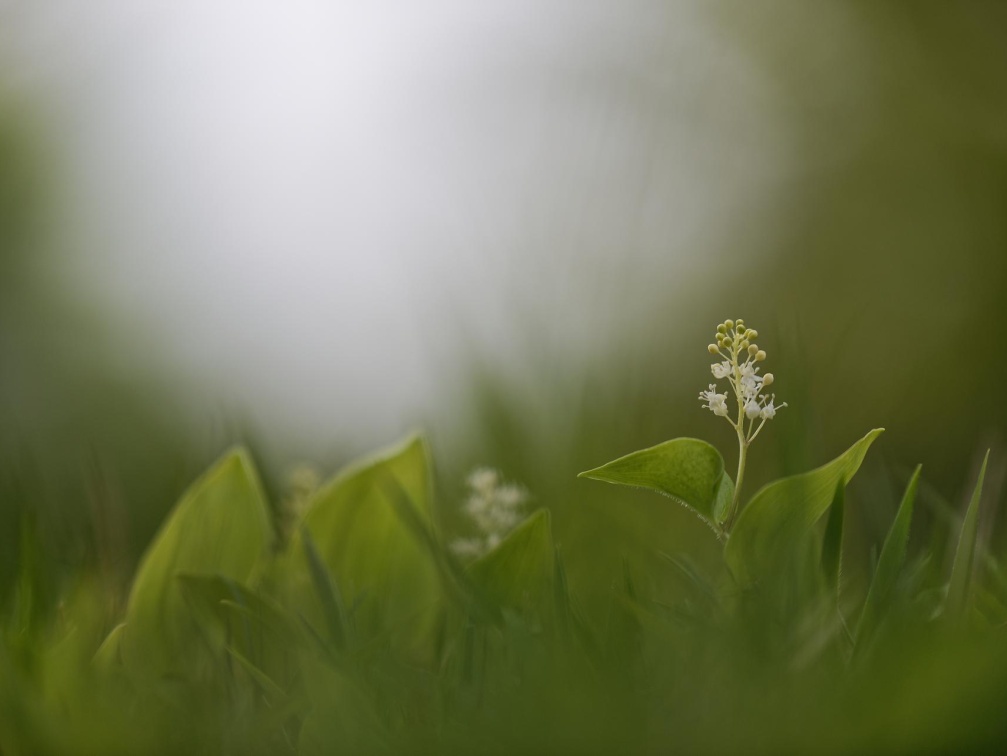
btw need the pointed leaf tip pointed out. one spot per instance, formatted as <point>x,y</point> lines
<point>893,556</point>
<point>784,511</point>
<point>688,470</point>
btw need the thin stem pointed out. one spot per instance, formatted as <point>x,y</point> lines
<point>742,457</point>
<point>750,440</point>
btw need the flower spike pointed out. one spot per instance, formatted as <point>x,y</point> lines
<point>735,343</point>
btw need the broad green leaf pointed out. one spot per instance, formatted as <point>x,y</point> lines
<point>893,556</point>
<point>959,590</point>
<point>385,574</point>
<point>688,470</point>
<point>517,574</point>
<point>832,542</point>
<point>220,526</point>
<point>783,512</point>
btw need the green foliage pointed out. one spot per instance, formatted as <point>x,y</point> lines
<point>220,527</point>
<point>964,565</point>
<point>893,557</point>
<point>382,571</point>
<point>783,513</point>
<point>517,575</point>
<point>832,542</point>
<point>364,634</point>
<point>687,470</point>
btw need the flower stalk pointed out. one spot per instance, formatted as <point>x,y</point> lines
<point>739,365</point>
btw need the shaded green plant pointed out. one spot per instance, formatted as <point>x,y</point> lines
<point>348,623</point>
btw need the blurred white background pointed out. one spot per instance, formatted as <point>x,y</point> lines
<point>313,210</point>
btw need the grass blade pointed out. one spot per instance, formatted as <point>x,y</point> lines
<point>893,556</point>
<point>959,589</point>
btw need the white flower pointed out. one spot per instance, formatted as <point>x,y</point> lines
<point>483,479</point>
<point>750,383</point>
<point>740,359</point>
<point>716,403</point>
<point>495,508</point>
<point>769,411</point>
<point>511,496</point>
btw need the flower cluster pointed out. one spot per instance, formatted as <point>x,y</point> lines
<point>494,507</point>
<point>739,365</point>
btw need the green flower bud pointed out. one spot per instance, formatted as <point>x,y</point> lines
<point>713,349</point>
<point>760,356</point>
<point>729,323</point>
<point>753,349</point>
<point>767,379</point>
<point>743,344</point>
<point>722,328</point>
<point>728,341</point>
<point>751,333</point>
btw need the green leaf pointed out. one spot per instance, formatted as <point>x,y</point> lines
<point>264,681</point>
<point>326,591</point>
<point>959,590</point>
<point>109,654</point>
<point>687,470</point>
<point>226,610</point>
<point>386,575</point>
<point>832,542</point>
<point>517,574</point>
<point>221,526</point>
<point>781,515</point>
<point>893,556</point>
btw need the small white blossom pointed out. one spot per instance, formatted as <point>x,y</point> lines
<point>510,495</point>
<point>717,403</point>
<point>721,369</point>
<point>752,409</point>
<point>751,382</point>
<point>494,508</point>
<point>769,411</point>
<point>483,479</point>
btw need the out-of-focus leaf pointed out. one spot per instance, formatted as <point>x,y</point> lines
<point>326,591</point>
<point>832,542</point>
<point>386,576</point>
<point>687,470</point>
<point>782,513</point>
<point>959,590</point>
<point>893,556</point>
<point>264,681</point>
<point>109,652</point>
<point>517,575</point>
<point>239,615</point>
<point>703,590</point>
<point>220,526</point>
